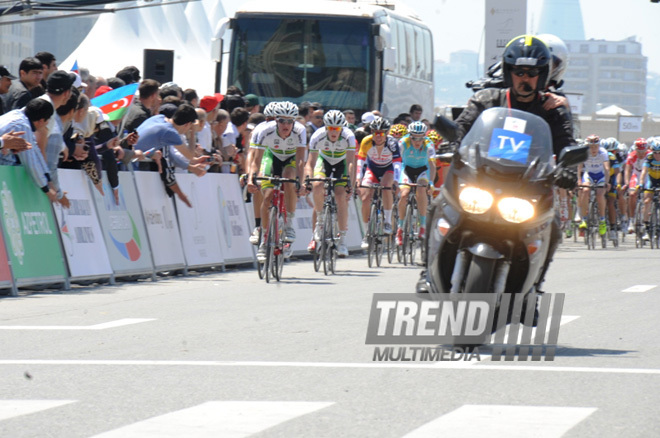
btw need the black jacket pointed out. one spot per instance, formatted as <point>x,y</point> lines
<point>559,119</point>
<point>17,97</point>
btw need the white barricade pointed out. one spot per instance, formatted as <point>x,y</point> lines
<point>302,222</point>
<point>199,227</point>
<point>81,234</point>
<point>354,234</point>
<point>233,226</point>
<point>123,227</point>
<point>161,222</point>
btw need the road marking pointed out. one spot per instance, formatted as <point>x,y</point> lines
<point>504,421</point>
<point>228,419</point>
<point>102,326</point>
<point>15,408</point>
<point>640,288</point>
<point>347,365</point>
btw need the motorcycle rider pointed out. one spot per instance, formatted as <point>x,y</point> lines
<point>526,69</point>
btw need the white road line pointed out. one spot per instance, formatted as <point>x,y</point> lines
<point>102,326</point>
<point>504,422</point>
<point>227,419</point>
<point>15,408</point>
<point>640,288</point>
<point>347,365</point>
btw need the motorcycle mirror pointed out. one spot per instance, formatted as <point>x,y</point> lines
<point>446,128</point>
<point>573,155</point>
<point>531,169</point>
<point>445,158</point>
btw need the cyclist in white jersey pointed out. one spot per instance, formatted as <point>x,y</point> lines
<point>596,171</point>
<point>282,145</point>
<point>332,154</point>
<point>632,175</point>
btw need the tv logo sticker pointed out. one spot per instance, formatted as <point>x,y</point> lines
<point>510,145</point>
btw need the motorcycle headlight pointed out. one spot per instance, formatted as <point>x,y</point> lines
<point>515,210</point>
<point>474,200</point>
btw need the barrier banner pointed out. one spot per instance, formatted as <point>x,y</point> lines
<point>199,224</point>
<point>233,228</point>
<point>30,229</point>
<point>161,221</point>
<point>79,228</point>
<point>123,228</point>
<point>354,234</point>
<point>302,222</point>
<point>5,272</point>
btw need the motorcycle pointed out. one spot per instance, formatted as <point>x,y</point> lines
<point>490,227</point>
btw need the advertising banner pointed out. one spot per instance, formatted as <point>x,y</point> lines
<point>79,228</point>
<point>5,272</point>
<point>123,227</point>
<point>233,228</point>
<point>505,20</point>
<point>161,221</point>
<point>354,234</point>
<point>29,227</point>
<point>303,224</point>
<point>199,224</point>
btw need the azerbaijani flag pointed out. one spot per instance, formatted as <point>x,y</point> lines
<point>114,103</point>
<point>75,67</point>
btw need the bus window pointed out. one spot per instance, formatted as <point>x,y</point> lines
<point>410,50</point>
<point>420,54</point>
<point>401,48</point>
<point>428,55</point>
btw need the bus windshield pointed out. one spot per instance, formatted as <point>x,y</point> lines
<point>303,59</point>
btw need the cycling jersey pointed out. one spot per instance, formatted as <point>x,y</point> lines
<point>281,148</point>
<point>412,157</point>
<point>331,152</point>
<point>594,169</point>
<point>379,163</point>
<point>636,163</point>
<point>653,166</point>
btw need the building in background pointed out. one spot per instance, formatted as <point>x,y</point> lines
<point>607,73</point>
<point>450,78</point>
<point>16,43</point>
<point>61,36</point>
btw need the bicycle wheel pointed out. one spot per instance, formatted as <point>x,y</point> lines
<point>278,266</point>
<point>260,265</point>
<point>371,233</point>
<point>655,224</point>
<point>334,242</point>
<point>326,242</point>
<point>270,244</point>
<point>414,235</point>
<point>407,231</point>
<point>316,255</point>
<point>379,239</point>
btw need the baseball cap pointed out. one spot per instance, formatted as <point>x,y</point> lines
<point>208,103</point>
<point>60,81</point>
<point>78,82</point>
<point>5,73</point>
<point>102,90</point>
<point>251,100</point>
<point>368,117</point>
<point>167,109</point>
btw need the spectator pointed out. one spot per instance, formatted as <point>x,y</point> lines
<point>316,119</point>
<point>233,90</point>
<point>252,103</point>
<point>129,75</point>
<point>403,118</point>
<point>33,116</point>
<point>349,114</point>
<point>49,64</point>
<point>30,73</point>
<point>238,121</point>
<point>142,108</point>
<point>190,96</point>
<point>57,94</point>
<point>230,144</point>
<point>168,109</point>
<point>415,112</point>
<point>205,137</point>
<point>5,83</point>
<point>232,101</point>
<point>170,89</point>
<point>92,84</point>
<point>115,83</point>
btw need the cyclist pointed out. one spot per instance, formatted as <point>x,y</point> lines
<point>632,176</point>
<point>279,151</point>
<point>332,154</point>
<point>650,179</point>
<point>611,145</point>
<point>596,168</point>
<point>418,162</point>
<point>257,198</point>
<point>383,159</point>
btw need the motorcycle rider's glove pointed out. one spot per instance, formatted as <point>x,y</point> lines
<point>566,179</point>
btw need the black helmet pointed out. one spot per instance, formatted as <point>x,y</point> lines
<point>380,124</point>
<point>526,51</point>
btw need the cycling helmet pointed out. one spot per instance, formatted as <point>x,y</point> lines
<point>286,109</point>
<point>434,137</point>
<point>641,144</point>
<point>526,51</point>
<point>592,139</point>
<point>380,124</point>
<point>417,128</point>
<point>334,118</point>
<point>398,130</point>
<point>610,144</point>
<point>559,53</point>
<point>269,109</point>
<point>654,144</point>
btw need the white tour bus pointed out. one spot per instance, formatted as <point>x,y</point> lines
<point>345,55</point>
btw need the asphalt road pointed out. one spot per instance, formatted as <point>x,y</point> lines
<point>227,355</point>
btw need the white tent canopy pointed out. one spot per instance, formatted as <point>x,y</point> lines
<point>613,110</point>
<point>119,39</point>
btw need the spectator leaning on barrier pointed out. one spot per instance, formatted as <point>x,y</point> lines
<point>160,133</point>
<point>34,116</point>
<point>231,145</point>
<point>30,73</point>
<point>58,92</point>
<point>143,107</point>
<point>5,83</point>
<point>205,137</point>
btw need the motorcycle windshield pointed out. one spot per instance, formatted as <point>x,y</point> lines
<point>508,138</point>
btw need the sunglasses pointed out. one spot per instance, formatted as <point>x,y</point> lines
<point>379,132</point>
<point>285,121</point>
<point>417,137</point>
<point>333,128</point>
<point>532,73</point>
